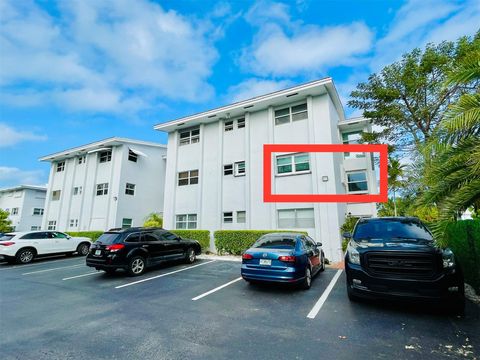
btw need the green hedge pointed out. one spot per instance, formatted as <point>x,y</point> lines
<point>463,237</point>
<point>202,236</point>
<point>237,241</point>
<point>94,235</point>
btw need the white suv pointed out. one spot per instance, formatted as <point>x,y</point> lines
<point>23,247</point>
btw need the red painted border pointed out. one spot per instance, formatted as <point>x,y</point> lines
<point>268,149</point>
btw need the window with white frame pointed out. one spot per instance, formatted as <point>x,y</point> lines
<point>228,217</point>
<point>73,223</point>
<point>132,156</point>
<point>81,159</point>
<point>296,218</point>
<point>190,136</point>
<point>77,190</point>
<point>105,156</point>
<point>292,113</point>
<point>228,126</point>
<point>240,123</point>
<point>130,189</point>
<point>34,228</point>
<point>186,221</point>
<point>15,211</point>
<point>126,223</point>
<point>102,189</point>
<point>293,163</point>
<point>60,166</point>
<point>56,195</point>
<point>352,138</point>
<point>241,217</point>
<point>228,169</point>
<point>52,225</point>
<point>188,177</point>
<point>37,211</point>
<point>240,168</point>
<point>357,182</point>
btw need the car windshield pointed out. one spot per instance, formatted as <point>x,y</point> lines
<point>7,237</point>
<point>277,242</point>
<point>383,229</point>
<point>109,238</point>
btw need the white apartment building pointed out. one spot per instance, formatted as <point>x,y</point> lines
<point>214,177</point>
<point>111,183</point>
<point>26,204</point>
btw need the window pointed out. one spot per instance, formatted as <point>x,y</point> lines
<point>61,166</point>
<point>228,169</point>
<point>15,211</point>
<point>102,189</point>
<point>130,189</point>
<point>105,156</point>
<point>77,190</point>
<point>37,211</point>
<point>56,195</point>
<point>296,218</point>
<point>240,168</point>
<point>52,225</point>
<point>241,217</point>
<point>189,136</point>
<point>34,228</point>
<point>357,181</point>
<point>73,223</point>
<point>188,177</point>
<point>186,221</point>
<point>126,223</point>
<point>289,114</point>
<point>352,138</point>
<point>241,123</point>
<point>166,235</point>
<point>132,156</point>
<point>133,238</point>
<point>228,217</point>
<point>294,163</point>
<point>81,159</point>
<point>228,125</point>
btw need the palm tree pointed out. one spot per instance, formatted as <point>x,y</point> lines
<point>395,174</point>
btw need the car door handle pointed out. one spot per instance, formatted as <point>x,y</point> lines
<point>145,246</point>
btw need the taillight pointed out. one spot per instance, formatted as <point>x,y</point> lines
<point>114,247</point>
<point>247,256</point>
<point>7,243</point>
<point>288,258</point>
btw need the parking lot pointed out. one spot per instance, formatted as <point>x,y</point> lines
<point>58,308</point>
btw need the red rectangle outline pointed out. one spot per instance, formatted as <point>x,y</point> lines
<point>268,149</point>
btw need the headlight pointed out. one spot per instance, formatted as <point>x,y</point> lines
<point>448,259</point>
<point>353,255</point>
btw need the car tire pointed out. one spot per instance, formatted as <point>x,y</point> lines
<point>136,266</point>
<point>190,256</point>
<point>307,281</point>
<point>83,249</point>
<point>322,267</point>
<point>25,256</point>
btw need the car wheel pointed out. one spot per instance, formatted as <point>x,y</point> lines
<point>83,249</point>
<point>322,267</point>
<point>25,256</point>
<point>136,266</point>
<point>190,256</point>
<point>307,281</point>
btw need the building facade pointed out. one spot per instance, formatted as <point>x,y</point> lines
<point>25,204</point>
<point>214,177</point>
<point>111,183</point>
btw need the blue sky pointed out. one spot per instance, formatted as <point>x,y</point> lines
<point>73,72</point>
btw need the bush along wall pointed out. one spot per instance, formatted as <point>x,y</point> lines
<point>94,235</point>
<point>202,236</point>
<point>236,242</point>
<point>463,237</point>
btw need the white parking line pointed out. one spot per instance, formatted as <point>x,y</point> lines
<point>216,289</point>
<point>79,276</point>
<point>318,305</point>
<point>46,270</point>
<point>162,275</point>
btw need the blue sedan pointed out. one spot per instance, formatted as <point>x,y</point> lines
<point>285,258</point>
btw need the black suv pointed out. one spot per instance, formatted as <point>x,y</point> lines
<point>397,257</point>
<point>135,249</point>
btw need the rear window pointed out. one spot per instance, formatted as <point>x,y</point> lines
<point>109,238</point>
<point>7,237</point>
<point>391,229</point>
<point>277,242</point>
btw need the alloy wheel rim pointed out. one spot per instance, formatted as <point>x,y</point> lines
<point>192,255</point>
<point>309,278</point>
<point>84,250</point>
<point>137,266</point>
<point>26,256</point>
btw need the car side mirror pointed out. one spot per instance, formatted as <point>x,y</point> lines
<point>179,238</point>
<point>347,235</point>
<point>69,237</point>
<point>319,244</point>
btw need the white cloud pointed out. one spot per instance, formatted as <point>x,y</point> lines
<point>254,87</point>
<point>11,176</point>
<point>11,136</point>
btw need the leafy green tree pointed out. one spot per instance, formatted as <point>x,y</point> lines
<point>5,222</point>
<point>395,175</point>
<point>153,220</point>
<point>348,226</point>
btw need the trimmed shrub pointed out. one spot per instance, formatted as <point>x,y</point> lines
<point>94,235</point>
<point>236,242</point>
<point>463,237</point>
<point>202,236</point>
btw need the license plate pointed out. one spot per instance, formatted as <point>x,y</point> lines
<point>98,252</point>
<point>265,262</point>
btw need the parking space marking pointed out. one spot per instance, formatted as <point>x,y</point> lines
<point>79,276</point>
<point>53,269</point>
<point>216,289</point>
<point>162,275</point>
<point>318,305</point>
